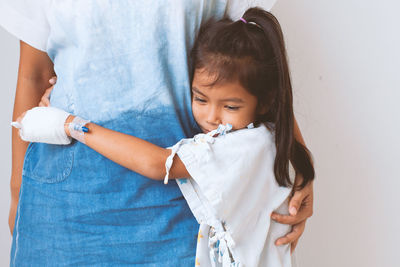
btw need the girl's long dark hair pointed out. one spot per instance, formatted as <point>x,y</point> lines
<point>253,52</point>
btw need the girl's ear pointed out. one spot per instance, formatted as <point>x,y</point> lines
<point>262,110</point>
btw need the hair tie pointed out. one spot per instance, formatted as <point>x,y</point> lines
<point>242,19</point>
<point>250,22</point>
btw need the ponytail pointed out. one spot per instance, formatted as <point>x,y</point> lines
<point>256,42</point>
<point>281,112</point>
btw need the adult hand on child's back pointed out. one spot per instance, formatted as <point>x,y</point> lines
<point>300,209</point>
<point>45,100</point>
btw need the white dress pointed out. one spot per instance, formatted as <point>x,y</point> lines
<point>232,193</point>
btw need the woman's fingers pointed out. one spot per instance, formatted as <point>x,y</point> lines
<point>295,202</point>
<point>48,92</point>
<point>302,201</point>
<point>53,80</point>
<point>45,100</point>
<point>303,214</point>
<point>305,211</point>
<point>289,219</point>
<point>293,236</point>
<point>19,119</point>
<point>300,207</point>
<point>298,196</point>
<point>293,246</point>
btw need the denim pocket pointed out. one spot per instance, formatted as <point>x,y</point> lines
<point>48,163</point>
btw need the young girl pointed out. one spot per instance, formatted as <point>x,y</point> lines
<point>239,165</point>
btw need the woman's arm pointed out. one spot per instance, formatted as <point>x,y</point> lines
<point>35,69</point>
<point>131,152</point>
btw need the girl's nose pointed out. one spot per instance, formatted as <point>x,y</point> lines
<point>213,117</point>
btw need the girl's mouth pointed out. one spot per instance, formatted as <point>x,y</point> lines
<point>205,130</point>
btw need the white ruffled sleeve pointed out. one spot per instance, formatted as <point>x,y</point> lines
<point>26,20</point>
<point>229,167</point>
<point>233,184</point>
<point>236,8</point>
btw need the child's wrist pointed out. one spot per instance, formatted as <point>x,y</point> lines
<point>75,127</point>
<point>69,119</point>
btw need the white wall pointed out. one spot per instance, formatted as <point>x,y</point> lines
<point>9,50</point>
<point>344,56</point>
<point>345,67</point>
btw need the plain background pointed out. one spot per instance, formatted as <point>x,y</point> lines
<point>344,57</point>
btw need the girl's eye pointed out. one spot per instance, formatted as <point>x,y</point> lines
<point>199,100</point>
<point>232,107</point>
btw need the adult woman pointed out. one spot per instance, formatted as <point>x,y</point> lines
<point>124,65</point>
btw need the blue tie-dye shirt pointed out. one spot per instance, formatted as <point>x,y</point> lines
<point>122,64</point>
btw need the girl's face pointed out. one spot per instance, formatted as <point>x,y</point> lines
<point>221,103</point>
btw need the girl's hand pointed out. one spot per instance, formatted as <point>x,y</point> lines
<point>300,209</point>
<point>45,100</point>
<point>44,125</point>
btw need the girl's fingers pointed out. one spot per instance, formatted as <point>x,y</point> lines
<point>297,231</point>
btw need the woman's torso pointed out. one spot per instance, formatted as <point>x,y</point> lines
<point>123,65</point>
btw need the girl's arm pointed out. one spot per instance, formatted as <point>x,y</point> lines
<point>131,152</point>
<point>35,70</point>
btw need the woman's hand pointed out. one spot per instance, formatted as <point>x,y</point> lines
<point>45,100</point>
<point>300,209</point>
<point>19,119</point>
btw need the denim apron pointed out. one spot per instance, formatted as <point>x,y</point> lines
<point>123,65</point>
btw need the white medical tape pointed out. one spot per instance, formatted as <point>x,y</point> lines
<point>75,129</point>
<point>44,125</point>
